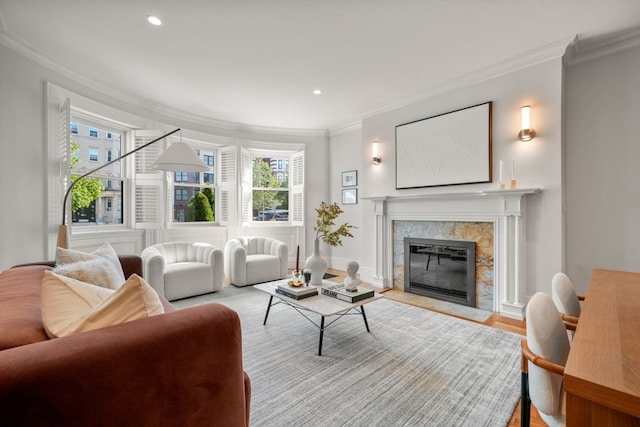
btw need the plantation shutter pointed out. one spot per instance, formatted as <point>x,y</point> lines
<point>148,200</point>
<point>228,185</point>
<point>296,208</point>
<point>245,185</point>
<point>57,189</point>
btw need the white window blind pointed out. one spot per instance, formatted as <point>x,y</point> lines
<point>296,207</point>
<point>64,147</point>
<point>228,185</point>
<point>148,184</point>
<point>245,185</point>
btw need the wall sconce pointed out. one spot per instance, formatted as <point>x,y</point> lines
<point>374,149</point>
<point>526,133</point>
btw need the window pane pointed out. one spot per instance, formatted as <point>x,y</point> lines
<point>97,199</point>
<point>106,209</point>
<point>193,204</point>
<point>270,172</point>
<point>270,205</point>
<point>193,192</point>
<point>93,154</point>
<point>109,205</point>
<point>270,197</point>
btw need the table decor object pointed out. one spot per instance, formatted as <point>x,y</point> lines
<point>327,214</point>
<point>339,292</point>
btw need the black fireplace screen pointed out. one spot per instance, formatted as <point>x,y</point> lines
<point>442,269</point>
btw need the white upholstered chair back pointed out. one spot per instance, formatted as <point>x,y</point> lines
<point>564,295</point>
<point>260,245</point>
<point>174,252</point>
<point>547,338</point>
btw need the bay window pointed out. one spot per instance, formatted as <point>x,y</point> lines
<point>242,186</point>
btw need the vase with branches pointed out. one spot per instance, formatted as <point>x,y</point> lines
<point>327,232</point>
<point>327,215</point>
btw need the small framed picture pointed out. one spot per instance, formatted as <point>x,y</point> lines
<point>349,196</point>
<point>350,178</point>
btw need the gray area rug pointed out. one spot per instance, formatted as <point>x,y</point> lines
<point>415,368</point>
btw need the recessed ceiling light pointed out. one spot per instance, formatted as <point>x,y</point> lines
<point>317,92</point>
<point>154,20</point>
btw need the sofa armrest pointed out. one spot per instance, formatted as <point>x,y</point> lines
<point>153,266</point>
<point>235,262</point>
<point>214,256</point>
<point>130,264</point>
<point>178,368</point>
<point>282,252</point>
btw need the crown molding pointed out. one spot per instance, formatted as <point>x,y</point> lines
<point>527,59</point>
<point>582,50</point>
<point>348,127</point>
<point>151,109</point>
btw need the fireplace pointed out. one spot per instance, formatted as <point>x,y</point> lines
<point>494,219</point>
<point>441,269</point>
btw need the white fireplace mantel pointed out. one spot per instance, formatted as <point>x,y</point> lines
<point>505,208</point>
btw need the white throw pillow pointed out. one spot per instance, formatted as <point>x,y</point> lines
<point>98,271</point>
<point>70,306</point>
<point>69,256</point>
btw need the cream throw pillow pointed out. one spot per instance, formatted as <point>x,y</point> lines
<point>70,306</point>
<point>69,256</point>
<point>98,271</point>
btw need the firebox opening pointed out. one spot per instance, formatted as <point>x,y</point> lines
<point>441,269</point>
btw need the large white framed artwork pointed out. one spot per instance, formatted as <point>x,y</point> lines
<point>448,149</point>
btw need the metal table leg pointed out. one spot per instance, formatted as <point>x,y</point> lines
<point>321,334</point>
<point>268,308</point>
<point>364,316</point>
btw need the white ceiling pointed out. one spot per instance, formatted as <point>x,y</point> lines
<point>257,61</point>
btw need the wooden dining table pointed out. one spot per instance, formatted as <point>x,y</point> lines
<point>602,374</point>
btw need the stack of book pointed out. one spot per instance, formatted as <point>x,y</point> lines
<point>298,292</point>
<point>339,292</point>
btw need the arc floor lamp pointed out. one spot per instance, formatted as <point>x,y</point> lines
<point>179,157</point>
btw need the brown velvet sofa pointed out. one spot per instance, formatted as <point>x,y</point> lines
<point>180,368</point>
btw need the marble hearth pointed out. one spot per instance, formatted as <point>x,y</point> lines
<point>464,231</point>
<point>493,219</point>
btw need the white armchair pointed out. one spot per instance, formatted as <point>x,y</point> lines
<point>250,260</point>
<point>183,269</point>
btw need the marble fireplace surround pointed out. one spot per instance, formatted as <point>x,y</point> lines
<point>505,209</point>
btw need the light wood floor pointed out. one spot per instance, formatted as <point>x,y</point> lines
<point>495,321</point>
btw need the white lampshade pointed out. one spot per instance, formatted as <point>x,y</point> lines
<point>525,117</point>
<point>180,157</point>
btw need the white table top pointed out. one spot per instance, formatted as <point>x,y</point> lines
<point>320,304</point>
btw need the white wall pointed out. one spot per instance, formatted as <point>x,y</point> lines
<point>346,155</point>
<point>22,161</point>
<point>24,222</point>
<point>602,165</point>
<point>538,162</point>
